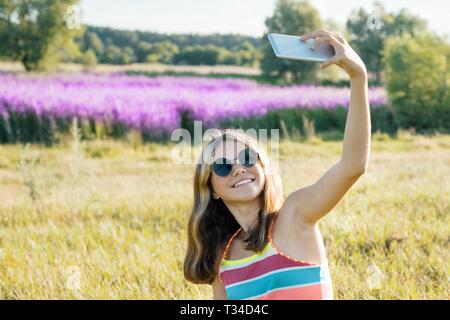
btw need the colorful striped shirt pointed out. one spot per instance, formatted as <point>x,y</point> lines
<point>273,275</point>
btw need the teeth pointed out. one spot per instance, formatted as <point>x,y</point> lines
<point>242,182</point>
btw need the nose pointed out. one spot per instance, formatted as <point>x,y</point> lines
<point>238,169</point>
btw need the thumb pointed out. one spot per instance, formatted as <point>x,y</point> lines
<point>329,62</point>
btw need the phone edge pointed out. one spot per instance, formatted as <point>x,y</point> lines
<point>275,49</point>
<point>272,43</point>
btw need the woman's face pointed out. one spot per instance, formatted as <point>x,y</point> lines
<point>224,187</point>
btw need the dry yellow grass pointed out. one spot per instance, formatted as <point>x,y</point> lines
<point>107,220</point>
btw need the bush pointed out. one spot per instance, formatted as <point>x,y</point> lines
<point>89,59</point>
<point>198,55</point>
<point>416,77</point>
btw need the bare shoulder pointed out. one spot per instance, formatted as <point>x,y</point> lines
<point>219,292</point>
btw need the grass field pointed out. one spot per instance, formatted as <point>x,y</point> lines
<point>107,219</point>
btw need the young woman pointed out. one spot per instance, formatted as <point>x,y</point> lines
<point>248,241</point>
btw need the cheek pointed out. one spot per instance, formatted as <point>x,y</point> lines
<point>217,184</point>
<point>259,171</point>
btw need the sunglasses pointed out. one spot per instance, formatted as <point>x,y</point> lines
<point>247,158</point>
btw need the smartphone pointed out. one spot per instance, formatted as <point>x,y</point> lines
<point>290,47</point>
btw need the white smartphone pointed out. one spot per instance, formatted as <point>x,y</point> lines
<point>290,47</point>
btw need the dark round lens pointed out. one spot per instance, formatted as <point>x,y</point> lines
<point>222,167</point>
<point>248,157</point>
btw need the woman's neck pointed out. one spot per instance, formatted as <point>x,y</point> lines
<point>246,214</point>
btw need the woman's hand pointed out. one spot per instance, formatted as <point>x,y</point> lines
<point>345,57</point>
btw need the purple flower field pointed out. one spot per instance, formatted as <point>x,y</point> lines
<point>155,104</point>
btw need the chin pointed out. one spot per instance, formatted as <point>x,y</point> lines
<point>244,196</point>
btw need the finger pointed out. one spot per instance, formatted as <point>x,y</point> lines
<point>314,34</point>
<point>324,39</point>
<point>339,37</point>
<point>319,41</point>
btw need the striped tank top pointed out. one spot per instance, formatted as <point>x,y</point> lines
<point>273,275</point>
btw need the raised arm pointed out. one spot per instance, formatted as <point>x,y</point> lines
<point>309,204</point>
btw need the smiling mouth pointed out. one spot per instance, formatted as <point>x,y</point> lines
<point>239,184</point>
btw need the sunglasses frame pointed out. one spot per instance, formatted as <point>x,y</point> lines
<point>227,162</point>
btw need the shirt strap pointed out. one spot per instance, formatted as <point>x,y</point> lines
<point>229,243</point>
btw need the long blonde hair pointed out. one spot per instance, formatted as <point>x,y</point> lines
<point>211,223</point>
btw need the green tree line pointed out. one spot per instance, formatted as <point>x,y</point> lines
<point>114,46</point>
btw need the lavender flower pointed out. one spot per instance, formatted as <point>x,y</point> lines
<point>156,104</point>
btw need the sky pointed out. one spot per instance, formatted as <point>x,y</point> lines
<point>236,16</point>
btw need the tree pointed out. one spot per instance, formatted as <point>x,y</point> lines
<point>248,54</point>
<point>165,48</point>
<point>113,55</point>
<point>116,55</point>
<point>36,32</point>
<point>295,18</point>
<point>93,42</point>
<point>163,51</point>
<point>199,55</point>
<point>228,57</point>
<point>367,35</point>
<point>143,50</point>
<point>128,55</point>
<point>89,59</point>
<point>417,74</point>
